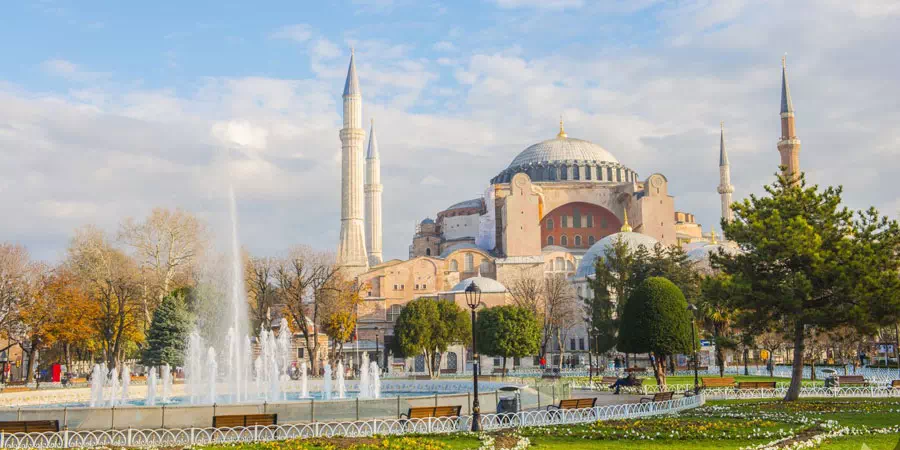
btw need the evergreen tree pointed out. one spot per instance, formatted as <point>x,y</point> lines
<point>656,320</point>
<point>508,331</point>
<point>167,336</point>
<point>808,263</point>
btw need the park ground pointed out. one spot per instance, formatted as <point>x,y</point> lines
<point>719,425</point>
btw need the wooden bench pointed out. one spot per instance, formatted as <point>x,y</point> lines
<point>575,403</point>
<point>247,420</point>
<point>138,378</point>
<point>756,385</point>
<point>608,381</point>
<point>9,389</point>
<point>30,426</point>
<point>658,397</point>
<point>714,382</point>
<point>636,370</point>
<point>78,380</point>
<point>895,384</point>
<point>852,380</point>
<point>424,412</point>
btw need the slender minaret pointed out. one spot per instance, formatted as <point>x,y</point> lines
<point>788,145</point>
<point>725,188</point>
<point>373,200</point>
<point>351,254</point>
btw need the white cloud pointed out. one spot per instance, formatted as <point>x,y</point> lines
<point>298,33</point>
<point>71,71</point>
<point>242,134</point>
<point>541,4</point>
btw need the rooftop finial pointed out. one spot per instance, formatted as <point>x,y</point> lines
<point>712,236</point>
<point>626,228</point>
<point>562,131</point>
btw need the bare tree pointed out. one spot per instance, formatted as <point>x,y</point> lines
<point>15,266</point>
<point>261,290</point>
<point>166,246</point>
<point>304,279</point>
<point>110,280</point>
<point>560,311</point>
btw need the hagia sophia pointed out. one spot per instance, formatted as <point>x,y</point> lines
<point>552,211</point>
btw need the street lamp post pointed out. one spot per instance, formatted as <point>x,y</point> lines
<point>473,299</point>
<point>377,349</point>
<point>693,309</point>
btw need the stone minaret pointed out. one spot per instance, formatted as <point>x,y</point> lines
<point>725,188</point>
<point>351,254</point>
<point>788,145</point>
<point>373,200</point>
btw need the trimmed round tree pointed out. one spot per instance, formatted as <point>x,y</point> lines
<point>508,331</point>
<point>656,321</point>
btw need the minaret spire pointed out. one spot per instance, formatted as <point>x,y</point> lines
<point>373,200</point>
<point>725,188</point>
<point>788,145</point>
<point>351,255</point>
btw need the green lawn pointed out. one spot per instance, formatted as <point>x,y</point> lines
<point>720,425</point>
<point>689,379</point>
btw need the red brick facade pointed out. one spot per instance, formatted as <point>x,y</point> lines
<point>577,225</point>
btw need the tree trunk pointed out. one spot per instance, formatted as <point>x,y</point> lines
<point>29,368</point>
<point>793,392</point>
<point>746,356</point>
<point>503,373</point>
<point>67,350</point>
<point>659,369</point>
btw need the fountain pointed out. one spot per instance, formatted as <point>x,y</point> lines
<point>126,383</point>
<point>304,381</point>
<point>375,385</point>
<point>98,379</point>
<point>341,388</point>
<point>364,377</point>
<point>151,388</point>
<point>212,368</point>
<point>326,389</point>
<point>166,383</point>
<point>113,386</point>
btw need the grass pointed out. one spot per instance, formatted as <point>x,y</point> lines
<point>649,380</point>
<point>720,425</point>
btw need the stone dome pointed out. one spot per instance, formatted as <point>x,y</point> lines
<point>487,285</point>
<point>566,159</point>
<point>700,255</point>
<point>598,250</point>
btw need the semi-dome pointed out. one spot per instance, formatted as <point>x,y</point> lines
<point>566,159</point>
<point>700,255</point>
<point>487,285</point>
<point>598,250</point>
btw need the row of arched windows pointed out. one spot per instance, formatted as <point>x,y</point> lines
<point>564,241</point>
<point>565,172</point>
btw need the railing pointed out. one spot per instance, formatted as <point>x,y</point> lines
<point>818,391</point>
<point>390,427</point>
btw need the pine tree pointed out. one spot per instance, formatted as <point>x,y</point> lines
<point>168,332</point>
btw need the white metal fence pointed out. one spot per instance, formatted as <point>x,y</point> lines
<point>779,392</point>
<point>203,436</point>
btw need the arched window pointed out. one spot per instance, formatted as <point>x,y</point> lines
<point>549,240</point>
<point>470,262</point>
<point>549,224</point>
<point>576,172</point>
<point>394,313</point>
<point>485,266</point>
<point>454,266</point>
<point>560,264</point>
<point>587,172</point>
<point>591,240</point>
<point>578,241</point>
<point>420,363</point>
<point>563,241</point>
<point>451,361</point>
<point>564,172</point>
<point>570,266</point>
<point>427,252</point>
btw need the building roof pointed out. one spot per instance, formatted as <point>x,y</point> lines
<point>723,155</point>
<point>598,250</point>
<point>461,246</point>
<point>427,220</point>
<point>786,105</point>
<point>474,203</point>
<point>351,86</point>
<point>562,148</point>
<point>487,285</point>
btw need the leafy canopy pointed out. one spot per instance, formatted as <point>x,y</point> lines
<point>508,331</point>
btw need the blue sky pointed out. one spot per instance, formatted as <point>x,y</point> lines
<point>108,109</point>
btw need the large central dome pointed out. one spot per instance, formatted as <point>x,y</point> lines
<point>566,159</point>
<point>563,149</point>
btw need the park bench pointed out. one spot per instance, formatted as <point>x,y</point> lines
<point>756,385</point>
<point>30,426</point>
<point>78,380</point>
<point>575,403</point>
<point>658,397</point>
<point>138,378</point>
<point>895,384</point>
<point>852,380</point>
<point>245,420</point>
<point>636,370</point>
<point>10,389</point>
<point>500,371</point>
<point>714,382</point>
<point>608,381</point>
<point>425,412</point>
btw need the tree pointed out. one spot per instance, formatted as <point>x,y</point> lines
<point>15,267</point>
<point>809,262</point>
<point>73,313</point>
<point>166,246</point>
<point>559,312</point>
<point>304,279</point>
<point>261,290</point>
<point>508,331</point>
<point>338,312</point>
<point>716,313</point>
<point>111,281</point>
<point>429,327</point>
<point>167,337</point>
<point>656,320</point>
